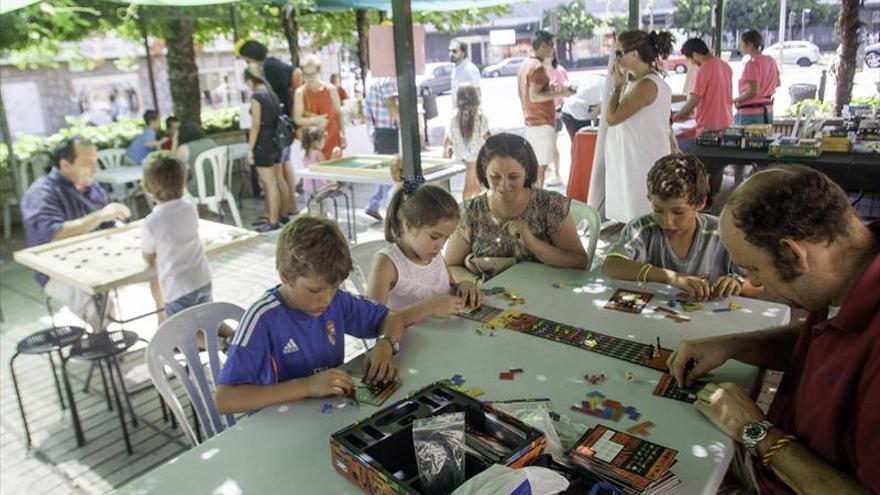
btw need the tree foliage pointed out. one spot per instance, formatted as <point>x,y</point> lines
<point>573,23</point>
<point>694,16</point>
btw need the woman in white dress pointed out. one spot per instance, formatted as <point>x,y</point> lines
<point>638,114</point>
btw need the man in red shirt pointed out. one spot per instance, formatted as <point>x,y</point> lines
<point>794,232</point>
<point>711,98</point>
<point>536,95</point>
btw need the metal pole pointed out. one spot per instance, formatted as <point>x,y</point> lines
<point>404,58</point>
<point>633,14</point>
<point>782,15</point>
<point>142,22</point>
<point>719,26</point>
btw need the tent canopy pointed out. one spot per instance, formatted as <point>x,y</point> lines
<point>7,6</point>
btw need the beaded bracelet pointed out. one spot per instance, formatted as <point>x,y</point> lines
<point>642,276</point>
<point>774,449</point>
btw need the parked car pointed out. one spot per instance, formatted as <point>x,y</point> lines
<point>506,67</point>
<point>802,53</point>
<point>872,55</point>
<point>676,63</point>
<point>437,78</point>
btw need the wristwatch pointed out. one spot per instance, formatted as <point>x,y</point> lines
<point>395,344</point>
<point>752,433</point>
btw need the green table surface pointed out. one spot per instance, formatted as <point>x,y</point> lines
<point>285,448</point>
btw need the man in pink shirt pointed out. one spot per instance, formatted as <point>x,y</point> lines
<point>758,82</point>
<point>712,95</point>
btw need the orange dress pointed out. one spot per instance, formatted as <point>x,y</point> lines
<point>319,102</point>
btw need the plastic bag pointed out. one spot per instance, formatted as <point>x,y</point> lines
<point>439,447</point>
<point>536,413</point>
<point>502,480</point>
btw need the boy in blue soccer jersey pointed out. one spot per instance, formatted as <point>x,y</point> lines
<point>291,341</point>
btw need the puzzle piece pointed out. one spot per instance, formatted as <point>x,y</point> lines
<point>641,428</point>
<point>457,379</point>
<point>505,375</point>
<point>326,408</point>
<point>515,370</point>
<point>632,413</point>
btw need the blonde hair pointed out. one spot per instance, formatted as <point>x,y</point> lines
<point>311,61</point>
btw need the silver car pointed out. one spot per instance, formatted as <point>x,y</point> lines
<point>802,53</point>
<point>506,67</point>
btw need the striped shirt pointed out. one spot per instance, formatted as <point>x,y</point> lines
<point>644,241</point>
<point>52,200</point>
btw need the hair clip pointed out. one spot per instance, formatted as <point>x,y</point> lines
<point>410,185</point>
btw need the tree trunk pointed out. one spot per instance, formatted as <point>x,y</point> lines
<point>363,47</point>
<point>183,73</point>
<point>848,29</point>
<point>291,32</point>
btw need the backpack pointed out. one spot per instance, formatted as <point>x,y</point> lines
<point>284,130</point>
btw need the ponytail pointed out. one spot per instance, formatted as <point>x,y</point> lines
<point>652,47</point>
<point>420,205</point>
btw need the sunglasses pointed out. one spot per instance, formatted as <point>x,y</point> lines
<point>619,53</point>
<point>453,50</point>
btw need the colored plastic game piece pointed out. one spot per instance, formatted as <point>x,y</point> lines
<point>734,306</point>
<point>326,408</point>
<point>476,392</point>
<point>457,379</point>
<point>678,318</point>
<point>505,375</point>
<point>632,413</point>
<point>641,428</point>
<point>721,310</point>
<point>515,370</point>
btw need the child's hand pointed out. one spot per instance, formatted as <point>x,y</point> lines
<point>446,305</point>
<point>378,366</point>
<point>695,287</point>
<point>726,286</point>
<point>330,382</point>
<point>470,293</point>
<point>336,153</point>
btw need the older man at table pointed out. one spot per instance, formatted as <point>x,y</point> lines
<point>64,203</point>
<point>795,233</point>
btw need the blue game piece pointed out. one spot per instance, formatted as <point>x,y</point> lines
<point>458,380</point>
<point>327,408</point>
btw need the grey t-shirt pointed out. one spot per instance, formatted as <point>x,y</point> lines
<point>644,241</point>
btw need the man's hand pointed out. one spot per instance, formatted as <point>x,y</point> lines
<point>695,287</point>
<point>330,382</point>
<point>726,286</point>
<point>470,293</point>
<point>114,211</point>
<point>695,358</point>
<point>729,407</point>
<point>378,365</point>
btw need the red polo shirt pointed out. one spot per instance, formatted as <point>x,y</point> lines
<point>829,397</point>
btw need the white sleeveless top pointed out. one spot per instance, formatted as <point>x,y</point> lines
<point>415,283</point>
<point>631,148</point>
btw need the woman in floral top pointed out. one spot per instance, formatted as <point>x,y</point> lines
<point>512,222</point>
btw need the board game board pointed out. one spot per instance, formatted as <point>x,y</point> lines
<point>102,260</point>
<point>624,349</point>
<point>667,387</point>
<point>374,165</point>
<point>374,394</point>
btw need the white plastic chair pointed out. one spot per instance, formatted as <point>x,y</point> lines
<point>111,158</point>
<point>238,157</point>
<point>362,261</point>
<point>175,348</point>
<point>23,175</point>
<point>586,218</point>
<point>218,158</point>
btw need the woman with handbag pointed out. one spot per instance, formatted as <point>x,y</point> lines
<point>263,152</point>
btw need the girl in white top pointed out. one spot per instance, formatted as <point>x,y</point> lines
<point>638,115</point>
<point>410,276</point>
<point>468,130</point>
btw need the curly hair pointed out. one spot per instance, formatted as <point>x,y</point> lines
<point>507,145</point>
<point>164,176</point>
<point>309,246</point>
<point>651,46</point>
<point>679,176</point>
<point>798,203</point>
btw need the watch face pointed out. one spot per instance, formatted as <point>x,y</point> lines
<point>754,431</point>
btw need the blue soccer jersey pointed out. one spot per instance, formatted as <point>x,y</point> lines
<point>275,343</point>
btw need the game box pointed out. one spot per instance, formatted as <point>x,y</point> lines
<point>377,453</point>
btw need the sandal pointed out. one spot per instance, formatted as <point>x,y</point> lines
<point>267,227</point>
<point>260,221</point>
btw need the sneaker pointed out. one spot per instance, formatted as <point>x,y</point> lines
<point>267,227</point>
<point>373,213</point>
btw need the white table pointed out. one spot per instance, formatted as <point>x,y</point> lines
<point>443,176</point>
<point>119,179</point>
<point>285,449</point>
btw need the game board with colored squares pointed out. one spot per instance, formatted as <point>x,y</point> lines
<point>626,350</point>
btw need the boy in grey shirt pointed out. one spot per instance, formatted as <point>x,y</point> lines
<point>677,245</point>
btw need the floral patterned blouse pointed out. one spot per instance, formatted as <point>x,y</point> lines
<point>488,235</point>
